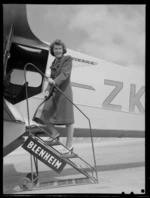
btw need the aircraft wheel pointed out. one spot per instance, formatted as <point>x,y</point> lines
<point>26,182</point>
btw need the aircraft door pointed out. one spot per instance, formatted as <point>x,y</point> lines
<point>14,85</point>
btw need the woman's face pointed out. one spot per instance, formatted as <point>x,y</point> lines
<point>58,51</point>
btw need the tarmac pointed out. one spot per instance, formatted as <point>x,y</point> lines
<point>120,164</point>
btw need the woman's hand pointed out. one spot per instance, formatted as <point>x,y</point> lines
<point>51,81</point>
<point>46,94</point>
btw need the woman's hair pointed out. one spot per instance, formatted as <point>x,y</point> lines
<point>57,42</point>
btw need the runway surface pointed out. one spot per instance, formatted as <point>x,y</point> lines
<point>120,167</point>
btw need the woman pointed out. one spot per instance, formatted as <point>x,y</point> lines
<point>58,110</point>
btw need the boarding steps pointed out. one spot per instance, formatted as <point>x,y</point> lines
<point>47,153</point>
<point>31,180</point>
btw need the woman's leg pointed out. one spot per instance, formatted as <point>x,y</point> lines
<point>70,133</point>
<point>51,129</point>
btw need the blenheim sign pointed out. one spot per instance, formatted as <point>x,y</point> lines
<point>41,152</point>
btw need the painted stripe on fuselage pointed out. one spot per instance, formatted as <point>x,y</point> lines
<point>85,132</point>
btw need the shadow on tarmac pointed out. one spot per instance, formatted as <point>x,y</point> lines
<point>11,177</point>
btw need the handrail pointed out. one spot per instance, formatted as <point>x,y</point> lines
<point>89,127</point>
<point>54,86</point>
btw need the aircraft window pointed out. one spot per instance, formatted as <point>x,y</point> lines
<point>34,79</point>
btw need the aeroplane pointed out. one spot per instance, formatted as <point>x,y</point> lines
<point>112,96</point>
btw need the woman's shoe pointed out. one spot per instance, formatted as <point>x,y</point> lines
<point>52,139</point>
<point>68,150</point>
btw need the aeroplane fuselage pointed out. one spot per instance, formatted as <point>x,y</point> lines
<point>112,96</point>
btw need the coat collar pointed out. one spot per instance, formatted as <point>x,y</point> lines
<point>58,62</point>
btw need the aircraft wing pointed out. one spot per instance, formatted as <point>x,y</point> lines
<point>17,15</point>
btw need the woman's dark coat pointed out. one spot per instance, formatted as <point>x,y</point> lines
<point>57,109</point>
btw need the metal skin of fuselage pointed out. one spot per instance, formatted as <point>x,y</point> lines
<point>110,95</point>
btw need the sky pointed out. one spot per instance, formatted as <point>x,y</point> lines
<point>114,32</point>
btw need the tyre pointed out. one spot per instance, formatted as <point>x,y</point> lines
<point>26,182</point>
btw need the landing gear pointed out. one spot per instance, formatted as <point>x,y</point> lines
<point>26,182</point>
